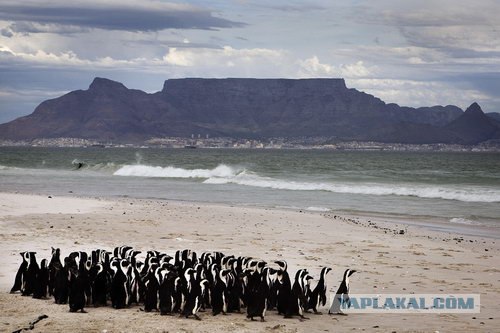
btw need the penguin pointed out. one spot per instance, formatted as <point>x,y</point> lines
<point>297,300</point>
<point>119,290</point>
<point>54,265</point>
<point>258,289</point>
<point>20,275</point>
<point>30,276</point>
<point>192,294</point>
<point>166,291</point>
<point>42,285</point>
<point>219,292</point>
<point>77,285</point>
<point>100,285</point>
<point>283,289</point>
<point>233,288</point>
<point>177,295</point>
<point>60,291</point>
<point>342,294</point>
<point>152,285</point>
<point>318,295</point>
<point>135,282</point>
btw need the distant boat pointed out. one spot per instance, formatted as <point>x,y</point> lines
<point>189,146</point>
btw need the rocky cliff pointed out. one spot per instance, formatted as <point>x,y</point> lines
<point>248,108</point>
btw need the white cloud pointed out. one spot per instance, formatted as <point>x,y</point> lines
<point>419,93</point>
<point>312,67</point>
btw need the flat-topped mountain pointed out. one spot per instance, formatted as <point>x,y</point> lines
<point>246,108</point>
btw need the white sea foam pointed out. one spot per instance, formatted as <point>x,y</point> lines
<point>226,174</point>
<point>471,194</point>
<point>318,209</point>
<point>461,220</point>
<point>4,167</point>
<point>220,172</point>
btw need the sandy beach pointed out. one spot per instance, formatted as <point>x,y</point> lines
<point>418,261</point>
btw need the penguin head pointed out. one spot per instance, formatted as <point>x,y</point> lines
<point>165,258</point>
<point>252,263</point>
<point>324,272</point>
<point>230,262</point>
<point>282,264</point>
<point>260,265</point>
<point>351,272</point>
<point>56,252</point>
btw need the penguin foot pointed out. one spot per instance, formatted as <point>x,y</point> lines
<point>318,313</point>
<point>262,320</point>
<point>197,317</point>
<point>83,311</point>
<point>304,318</point>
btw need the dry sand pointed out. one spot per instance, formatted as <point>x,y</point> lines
<point>419,261</point>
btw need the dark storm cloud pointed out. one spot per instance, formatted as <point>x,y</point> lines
<point>26,28</point>
<point>123,15</point>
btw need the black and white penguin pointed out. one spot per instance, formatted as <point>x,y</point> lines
<point>77,285</point>
<point>166,291</point>
<point>135,282</point>
<point>193,294</point>
<point>318,295</point>
<point>60,291</point>
<point>219,292</point>
<point>283,288</point>
<point>30,276</point>
<point>258,293</point>
<point>42,285</point>
<point>342,294</point>
<point>298,301</point>
<point>54,266</point>
<point>119,289</point>
<point>20,275</point>
<point>100,285</point>
<point>152,284</point>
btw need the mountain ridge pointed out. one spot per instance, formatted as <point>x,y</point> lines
<point>246,108</point>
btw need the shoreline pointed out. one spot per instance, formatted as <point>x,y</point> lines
<point>417,261</point>
<point>429,223</point>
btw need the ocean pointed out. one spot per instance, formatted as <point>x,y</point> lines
<point>453,189</point>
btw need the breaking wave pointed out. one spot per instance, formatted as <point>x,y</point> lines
<point>221,172</point>
<point>421,191</point>
<point>461,220</point>
<point>226,174</point>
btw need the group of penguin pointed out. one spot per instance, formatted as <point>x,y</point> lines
<point>185,284</point>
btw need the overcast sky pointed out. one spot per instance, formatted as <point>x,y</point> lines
<point>412,52</point>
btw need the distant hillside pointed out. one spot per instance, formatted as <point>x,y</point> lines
<point>245,108</point>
